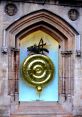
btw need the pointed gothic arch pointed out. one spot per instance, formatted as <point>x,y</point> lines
<point>59,29</point>
<point>45,20</point>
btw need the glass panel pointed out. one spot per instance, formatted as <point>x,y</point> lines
<point>50,91</point>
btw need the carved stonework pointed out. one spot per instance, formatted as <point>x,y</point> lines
<point>66,73</point>
<point>65,57</point>
<point>64,53</point>
<point>73,14</point>
<point>11,9</point>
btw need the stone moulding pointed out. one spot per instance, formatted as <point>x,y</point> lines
<point>60,30</point>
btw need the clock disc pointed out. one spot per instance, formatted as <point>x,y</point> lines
<point>38,70</point>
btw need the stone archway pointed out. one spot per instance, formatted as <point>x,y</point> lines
<point>47,20</point>
<point>58,29</point>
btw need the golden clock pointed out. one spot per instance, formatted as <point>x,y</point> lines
<point>38,70</point>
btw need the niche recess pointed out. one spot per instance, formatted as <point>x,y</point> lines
<point>57,28</point>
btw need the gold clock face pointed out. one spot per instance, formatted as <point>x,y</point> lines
<point>38,70</point>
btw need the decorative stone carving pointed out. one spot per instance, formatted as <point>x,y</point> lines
<point>73,14</point>
<point>66,53</point>
<point>11,9</point>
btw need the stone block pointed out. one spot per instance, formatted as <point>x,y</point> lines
<point>1,73</point>
<point>1,87</point>
<point>41,115</point>
<point>4,100</point>
<point>4,111</point>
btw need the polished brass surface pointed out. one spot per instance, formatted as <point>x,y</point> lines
<point>38,70</point>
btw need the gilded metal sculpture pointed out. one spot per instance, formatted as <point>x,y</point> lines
<point>38,49</point>
<point>37,68</point>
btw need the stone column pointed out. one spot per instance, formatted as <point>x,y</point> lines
<point>66,74</point>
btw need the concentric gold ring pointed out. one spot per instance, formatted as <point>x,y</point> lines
<point>38,70</point>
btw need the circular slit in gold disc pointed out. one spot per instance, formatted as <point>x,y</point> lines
<point>38,70</point>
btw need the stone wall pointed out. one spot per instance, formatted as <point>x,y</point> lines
<point>6,103</point>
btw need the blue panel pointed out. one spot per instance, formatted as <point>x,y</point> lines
<point>50,92</point>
